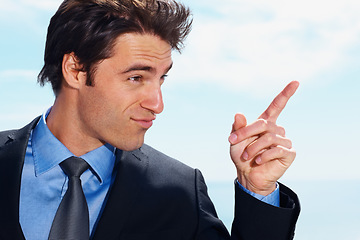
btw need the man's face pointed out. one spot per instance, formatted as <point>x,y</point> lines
<point>126,95</point>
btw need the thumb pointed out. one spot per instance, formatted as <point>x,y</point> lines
<point>239,122</point>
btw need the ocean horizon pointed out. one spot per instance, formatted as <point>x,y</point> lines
<point>329,209</point>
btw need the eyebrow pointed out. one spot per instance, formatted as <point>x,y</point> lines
<point>140,67</point>
<point>171,65</point>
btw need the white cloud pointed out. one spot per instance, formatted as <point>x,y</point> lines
<point>18,73</point>
<point>22,6</point>
<point>247,44</point>
<point>50,5</point>
<point>26,15</point>
<point>21,115</point>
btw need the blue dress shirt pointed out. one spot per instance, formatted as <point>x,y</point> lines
<point>272,199</point>
<point>44,184</point>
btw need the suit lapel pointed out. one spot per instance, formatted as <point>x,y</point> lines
<point>131,168</point>
<point>12,154</point>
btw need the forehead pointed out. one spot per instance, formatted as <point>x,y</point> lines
<point>135,46</point>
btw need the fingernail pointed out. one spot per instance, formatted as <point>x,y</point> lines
<point>232,138</point>
<point>245,155</point>
<point>258,160</point>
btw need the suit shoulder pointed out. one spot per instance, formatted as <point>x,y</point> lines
<point>6,133</point>
<point>169,177</point>
<point>158,158</point>
<point>6,136</point>
<point>168,170</point>
<point>9,135</point>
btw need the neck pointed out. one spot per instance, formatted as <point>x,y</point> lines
<point>64,123</point>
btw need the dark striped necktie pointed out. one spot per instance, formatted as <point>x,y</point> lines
<point>71,221</point>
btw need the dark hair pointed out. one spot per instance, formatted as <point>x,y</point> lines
<point>89,28</point>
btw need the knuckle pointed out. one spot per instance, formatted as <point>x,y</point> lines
<point>270,137</point>
<point>292,155</point>
<point>241,133</point>
<point>290,144</point>
<point>281,131</point>
<point>275,104</point>
<point>263,124</point>
<point>281,151</point>
<point>252,150</point>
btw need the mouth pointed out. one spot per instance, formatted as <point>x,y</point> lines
<point>145,123</point>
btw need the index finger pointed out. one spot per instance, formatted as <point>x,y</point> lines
<point>279,102</point>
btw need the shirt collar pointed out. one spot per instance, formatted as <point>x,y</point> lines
<point>49,152</point>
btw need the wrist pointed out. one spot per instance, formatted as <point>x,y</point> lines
<point>271,199</point>
<point>263,189</point>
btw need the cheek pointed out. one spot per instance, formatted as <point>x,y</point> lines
<point>107,111</point>
<point>93,107</point>
<point>110,107</point>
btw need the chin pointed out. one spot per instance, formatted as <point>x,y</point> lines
<point>130,145</point>
<point>129,149</point>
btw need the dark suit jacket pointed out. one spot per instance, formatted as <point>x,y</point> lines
<point>153,197</point>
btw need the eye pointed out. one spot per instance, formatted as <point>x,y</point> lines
<point>163,77</point>
<point>135,78</point>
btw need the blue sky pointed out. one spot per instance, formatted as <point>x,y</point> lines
<point>239,55</point>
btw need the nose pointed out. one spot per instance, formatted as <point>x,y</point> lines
<point>153,100</point>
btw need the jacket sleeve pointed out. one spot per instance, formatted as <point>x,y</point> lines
<point>254,219</point>
<point>210,227</point>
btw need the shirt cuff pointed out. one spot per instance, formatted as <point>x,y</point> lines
<point>272,199</point>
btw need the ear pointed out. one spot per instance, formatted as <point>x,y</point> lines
<point>71,70</point>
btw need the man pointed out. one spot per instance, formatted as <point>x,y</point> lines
<point>106,61</point>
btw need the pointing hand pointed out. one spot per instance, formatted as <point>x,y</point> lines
<point>260,150</point>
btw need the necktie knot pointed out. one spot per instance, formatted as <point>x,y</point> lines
<point>74,166</point>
